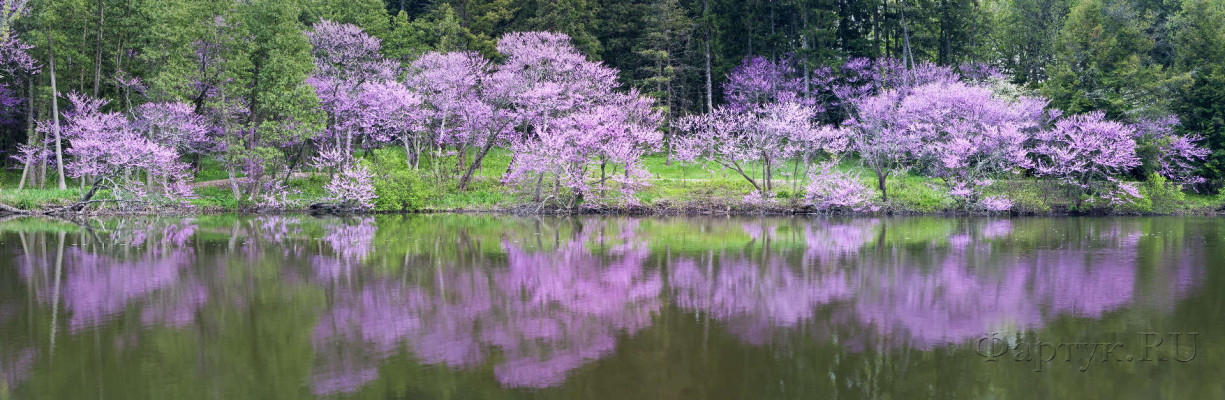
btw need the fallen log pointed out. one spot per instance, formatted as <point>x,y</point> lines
<point>337,208</point>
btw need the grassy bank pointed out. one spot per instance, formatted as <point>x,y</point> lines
<point>675,188</point>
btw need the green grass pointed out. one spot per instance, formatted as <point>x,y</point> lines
<point>29,199</point>
<point>674,185</point>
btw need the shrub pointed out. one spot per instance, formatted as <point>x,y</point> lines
<point>1139,203</point>
<point>398,187</point>
<point>1166,197</point>
<point>401,190</point>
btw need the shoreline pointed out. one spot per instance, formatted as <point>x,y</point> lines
<point>632,211</point>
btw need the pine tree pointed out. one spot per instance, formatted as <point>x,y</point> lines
<point>667,34</point>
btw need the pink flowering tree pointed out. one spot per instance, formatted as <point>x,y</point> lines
<point>830,189</point>
<point>969,135</point>
<point>15,61</point>
<point>346,59</point>
<point>105,149</point>
<point>767,136</point>
<point>758,81</point>
<point>352,188</point>
<point>878,134</point>
<point>1169,154</point>
<point>1087,153</point>
<point>592,155</point>
<point>14,56</point>
<point>767,122</point>
<point>575,123</point>
<point>175,124</point>
<point>387,112</point>
<point>464,107</point>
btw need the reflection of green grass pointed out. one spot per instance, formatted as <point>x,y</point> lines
<point>37,224</point>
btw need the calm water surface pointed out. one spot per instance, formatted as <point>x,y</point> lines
<point>468,307</point>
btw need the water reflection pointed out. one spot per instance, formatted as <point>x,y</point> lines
<point>529,303</point>
<point>545,312</point>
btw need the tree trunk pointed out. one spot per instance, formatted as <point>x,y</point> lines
<point>55,114</point>
<point>98,50</point>
<point>476,163</point>
<point>31,133</point>
<point>409,157</point>
<point>710,96</point>
<point>804,53</point>
<point>229,169</point>
<point>907,56</point>
<point>880,182</point>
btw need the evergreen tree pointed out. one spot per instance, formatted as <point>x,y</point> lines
<point>1200,51</point>
<point>1103,62</point>
<point>576,18</point>
<point>667,34</point>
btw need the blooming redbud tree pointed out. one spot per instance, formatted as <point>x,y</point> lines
<point>104,148</point>
<point>353,187</point>
<point>608,138</point>
<point>758,81</point>
<point>575,123</point>
<point>175,124</point>
<point>14,55</point>
<point>464,107</point>
<point>1086,153</point>
<point>830,189</point>
<point>969,134</point>
<point>1169,154</point>
<point>878,134</point>
<point>767,136</point>
<point>766,122</point>
<point>345,59</point>
<point>387,111</point>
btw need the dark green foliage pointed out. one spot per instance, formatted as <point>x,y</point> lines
<point>1199,43</point>
<point>1103,62</point>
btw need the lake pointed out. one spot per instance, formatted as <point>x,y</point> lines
<point>480,306</point>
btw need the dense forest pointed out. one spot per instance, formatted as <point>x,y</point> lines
<point>248,63</point>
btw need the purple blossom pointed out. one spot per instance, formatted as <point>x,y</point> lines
<point>831,189</point>
<point>175,125</point>
<point>1085,152</point>
<point>103,145</point>
<point>758,81</point>
<point>577,124</point>
<point>1177,155</point>
<point>353,185</point>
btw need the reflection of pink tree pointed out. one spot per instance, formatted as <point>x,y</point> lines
<point>942,295</point>
<point>753,295</point>
<point>351,244</point>
<point>547,313</point>
<point>94,287</point>
<point>946,305</point>
<point>15,368</point>
<point>97,286</point>
<point>178,306</point>
<point>352,337</point>
<point>830,241</point>
<point>954,299</point>
<point>574,303</point>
